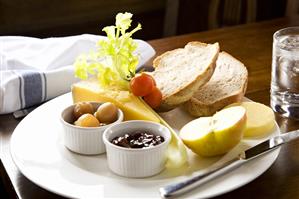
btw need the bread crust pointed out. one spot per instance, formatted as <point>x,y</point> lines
<point>183,94</point>
<point>197,108</point>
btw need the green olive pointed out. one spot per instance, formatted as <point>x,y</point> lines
<point>106,113</point>
<point>87,120</point>
<point>82,108</point>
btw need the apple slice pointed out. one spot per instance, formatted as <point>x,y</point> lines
<point>216,135</point>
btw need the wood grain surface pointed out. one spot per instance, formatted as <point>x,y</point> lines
<point>252,44</point>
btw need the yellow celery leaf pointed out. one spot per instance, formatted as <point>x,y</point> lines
<point>123,21</point>
<point>114,61</point>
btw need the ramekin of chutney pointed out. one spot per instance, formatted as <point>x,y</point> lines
<point>136,148</point>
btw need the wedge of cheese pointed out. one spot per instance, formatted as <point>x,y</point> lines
<point>131,105</point>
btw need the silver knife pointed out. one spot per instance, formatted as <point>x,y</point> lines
<point>200,179</point>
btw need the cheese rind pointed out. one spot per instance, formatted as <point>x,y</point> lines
<point>130,104</point>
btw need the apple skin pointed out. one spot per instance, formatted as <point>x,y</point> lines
<point>218,142</point>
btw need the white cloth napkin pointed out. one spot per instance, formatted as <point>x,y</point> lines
<point>34,70</point>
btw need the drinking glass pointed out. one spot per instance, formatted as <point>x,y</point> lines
<point>285,72</point>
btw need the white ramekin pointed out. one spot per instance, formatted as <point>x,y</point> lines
<point>84,140</point>
<point>136,163</point>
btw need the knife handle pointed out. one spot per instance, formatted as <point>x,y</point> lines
<point>199,179</point>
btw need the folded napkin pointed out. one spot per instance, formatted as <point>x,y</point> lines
<point>35,70</point>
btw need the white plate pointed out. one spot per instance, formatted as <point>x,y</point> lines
<point>38,151</point>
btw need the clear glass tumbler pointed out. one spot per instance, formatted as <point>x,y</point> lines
<point>285,72</point>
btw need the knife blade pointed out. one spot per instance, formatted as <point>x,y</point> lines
<point>213,172</point>
<point>270,144</point>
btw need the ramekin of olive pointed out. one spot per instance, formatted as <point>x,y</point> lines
<point>84,124</point>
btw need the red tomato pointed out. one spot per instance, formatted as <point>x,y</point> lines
<point>154,98</point>
<point>142,84</point>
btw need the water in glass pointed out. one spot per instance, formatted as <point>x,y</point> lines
<point>285,72</point>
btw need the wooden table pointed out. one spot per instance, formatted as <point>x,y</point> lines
<point>252,44</point>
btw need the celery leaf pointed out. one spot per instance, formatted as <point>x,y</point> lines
<point>114,61</point>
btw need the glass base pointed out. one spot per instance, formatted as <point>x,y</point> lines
<point>285,108</point>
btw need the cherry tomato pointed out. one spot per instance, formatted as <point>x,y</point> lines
<point>142,84</point>
<point>154,98</point>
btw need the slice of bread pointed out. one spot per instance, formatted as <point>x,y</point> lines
<point>227,85</point>
<point>180,72</point>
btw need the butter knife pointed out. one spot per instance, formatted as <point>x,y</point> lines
<point>179,188</point>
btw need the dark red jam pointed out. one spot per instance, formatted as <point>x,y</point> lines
<point>138,139</point>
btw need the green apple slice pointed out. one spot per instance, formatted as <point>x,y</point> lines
<point>216,135</point>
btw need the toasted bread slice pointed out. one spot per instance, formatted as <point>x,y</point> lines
<point>227,85</point>
<point>180,72</point>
